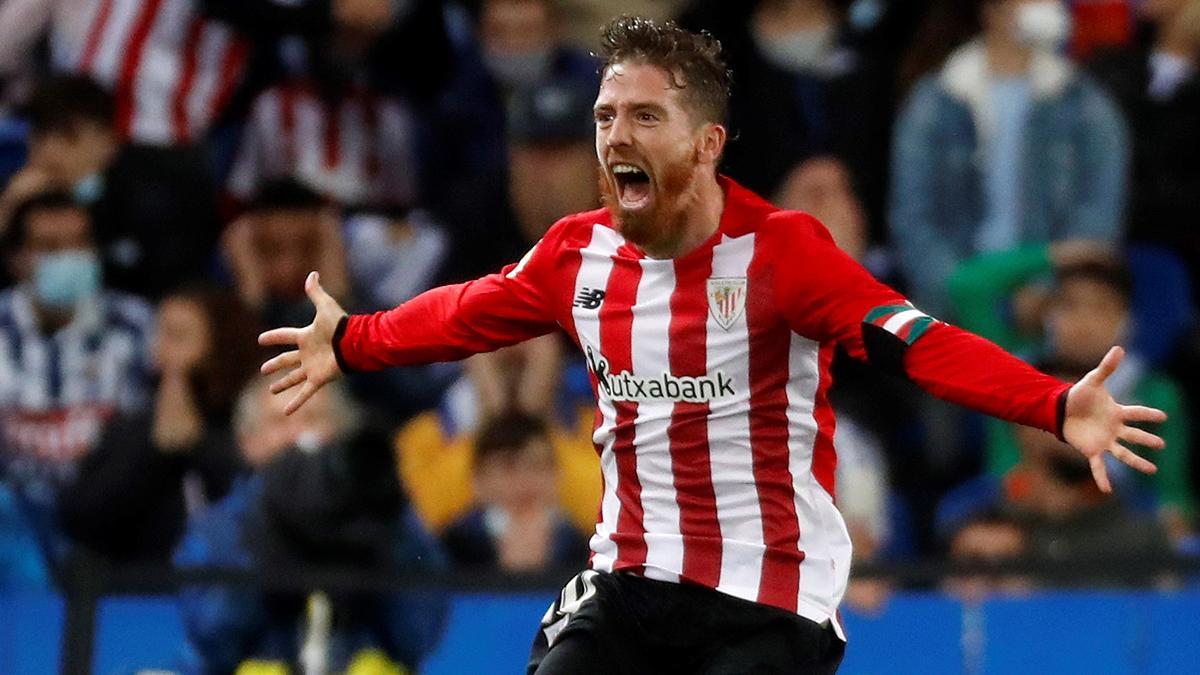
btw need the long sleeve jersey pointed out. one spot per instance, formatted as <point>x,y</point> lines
<point>712,377</point>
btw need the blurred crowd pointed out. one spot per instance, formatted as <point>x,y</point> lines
<point>172,169</point>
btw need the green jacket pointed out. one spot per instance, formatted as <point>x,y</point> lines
<point>980,287</point>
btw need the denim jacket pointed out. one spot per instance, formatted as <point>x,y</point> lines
<point>1073,178</point>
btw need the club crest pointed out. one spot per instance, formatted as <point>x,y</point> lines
<point>726,299</point>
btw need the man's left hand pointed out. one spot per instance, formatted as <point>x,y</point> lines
<point>1095,423</point>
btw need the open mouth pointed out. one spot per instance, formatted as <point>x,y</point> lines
<point>633,185</point>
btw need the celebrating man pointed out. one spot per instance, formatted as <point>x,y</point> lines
<point>708,319</point>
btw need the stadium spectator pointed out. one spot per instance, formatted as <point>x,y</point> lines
<point>1157,81</point>
<point>1008,144</point>
<point>393,256</point>
<point>321,491</point>
<point>803,89</point>
<point>824,187</point>
<point>522,46</point>
<point>173,67</point>
<point>435,448</point>
<point>155,218</point>
<point>288,228</point>
<point>991,536</point>
<point>1087,308</point>
<point>1070,519</point>
<point>72,353</point>
<point>515,524</point>
<point>351,144</point>
<point>342,121</point>
<point>551,154</point>
<point>154,467</point>
<point>582,19</point>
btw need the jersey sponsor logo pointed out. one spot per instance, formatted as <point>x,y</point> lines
<point>589,298</point>
<point>726,299</point>
<point>625,386</point>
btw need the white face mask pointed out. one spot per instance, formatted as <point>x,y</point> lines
<point>1043,25</point>
<point>802,51</point>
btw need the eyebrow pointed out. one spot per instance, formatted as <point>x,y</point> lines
<point>637,105</point>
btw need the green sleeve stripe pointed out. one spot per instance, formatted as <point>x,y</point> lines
<point>882,312</point>
<point>919,326</point>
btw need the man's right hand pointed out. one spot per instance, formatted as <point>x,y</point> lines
<point>312,364</point>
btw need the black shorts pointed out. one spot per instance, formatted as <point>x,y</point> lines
<point>612,624</point>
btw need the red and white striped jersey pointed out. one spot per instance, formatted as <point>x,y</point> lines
<point>172,71</point>
<point>711,374</point>
<point>336,147</point>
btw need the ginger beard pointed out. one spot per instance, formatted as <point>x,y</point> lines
<point>660,200</point>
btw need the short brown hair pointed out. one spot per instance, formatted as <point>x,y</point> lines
<point>692,60</point>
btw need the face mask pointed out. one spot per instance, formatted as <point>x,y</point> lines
<point>797,52</point>
<point>89,189</point>
<point>515,70</point>
<point>1044,25</point>
<point>64,279</point>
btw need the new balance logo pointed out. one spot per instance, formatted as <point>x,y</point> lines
<point>589,298</point>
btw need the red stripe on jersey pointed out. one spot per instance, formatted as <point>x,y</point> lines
<point>567,321</point>
<point>616,332</point>
<point>179,110</point>
<point>824,462</point>
<point>333,134</point>
<point>286,97</point>
<point>770,341</point>
<point>95,34</point>
<point>124,88</point>
<point>370,105</point>
<point>688,431</point>
<point>232,63</point>
<point>567,318</point>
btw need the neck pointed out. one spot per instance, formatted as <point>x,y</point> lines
<point>1006,56</point>
<point>701,219</point>
<point>52,320</point>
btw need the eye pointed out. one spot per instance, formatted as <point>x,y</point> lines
<point>647,117</point>
<point>603,117</point>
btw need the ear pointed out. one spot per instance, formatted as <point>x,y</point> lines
<point>711,143</point>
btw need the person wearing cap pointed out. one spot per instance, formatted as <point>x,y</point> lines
<point>551,158</point>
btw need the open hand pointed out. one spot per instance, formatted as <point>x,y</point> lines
<point>1095,423</point>
<point>312,364</point>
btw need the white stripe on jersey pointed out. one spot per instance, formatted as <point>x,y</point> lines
<point>594,270</point>
<point>650,340</point>
<point>731,458</point>
<point>215,41</point>
<point>826,563</point>
<point>159,70</point>
<point>113,46</point>
<point>897,321</point>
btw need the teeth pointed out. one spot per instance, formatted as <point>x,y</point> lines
<point>626,169</point>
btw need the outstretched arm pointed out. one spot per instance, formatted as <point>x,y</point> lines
<point>443,324</point>
<point>828,296</point>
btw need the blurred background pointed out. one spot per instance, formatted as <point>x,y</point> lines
<point>171,169</point>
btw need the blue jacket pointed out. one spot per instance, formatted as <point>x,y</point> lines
<point>226,625</point>
<point>1074,173</point>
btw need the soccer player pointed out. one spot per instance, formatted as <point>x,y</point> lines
<point>708,319</point>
